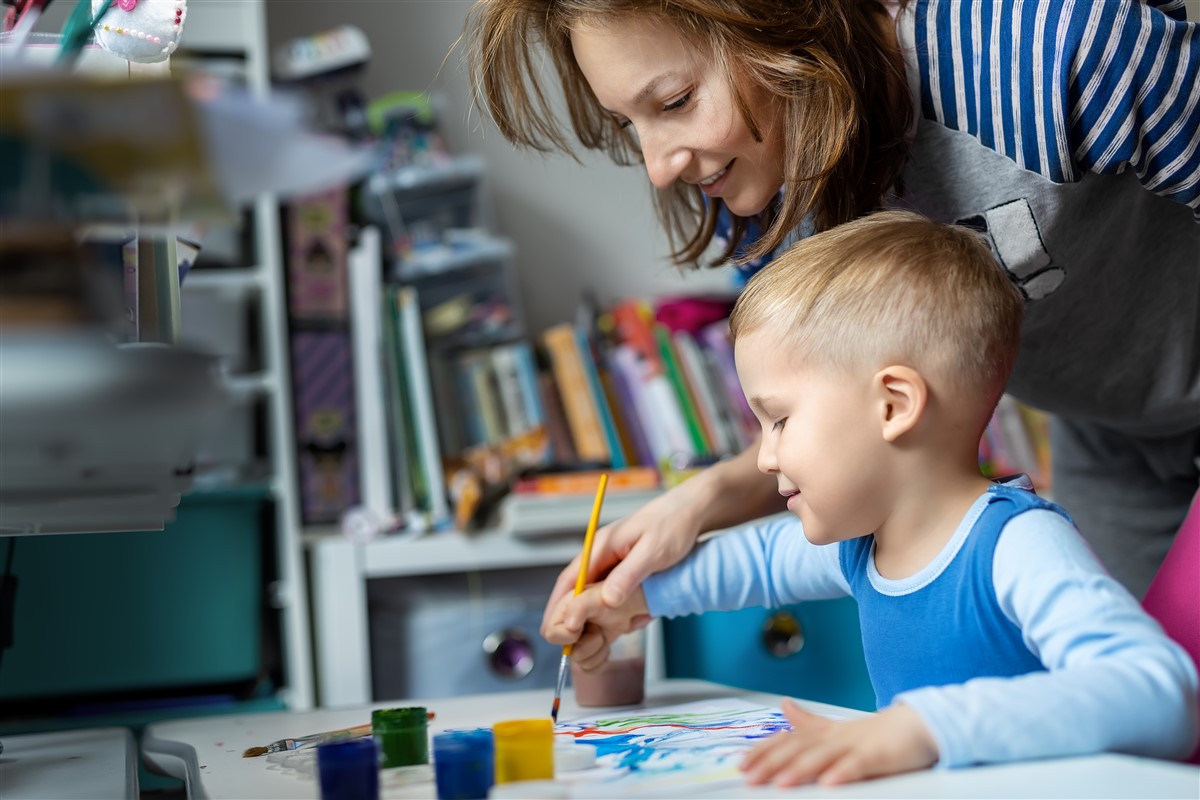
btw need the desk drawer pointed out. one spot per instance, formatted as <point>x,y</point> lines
<point>457,634</point>
<point>810,650</point>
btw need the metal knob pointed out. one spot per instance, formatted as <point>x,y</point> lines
<point>509,653</point>
<point>782,634</point>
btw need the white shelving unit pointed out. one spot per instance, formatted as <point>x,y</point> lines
<point>341,568</point>
<point>236,29</point>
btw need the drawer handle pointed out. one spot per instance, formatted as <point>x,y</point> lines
<point>509,653</point>
<point>783,634</point>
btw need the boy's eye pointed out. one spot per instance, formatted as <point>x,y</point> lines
<point>680,103</point>
<point>778,426</point>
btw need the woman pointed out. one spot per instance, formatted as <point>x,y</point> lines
<point>1069,133</point>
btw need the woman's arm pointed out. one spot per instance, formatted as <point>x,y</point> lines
<point>662,532</point>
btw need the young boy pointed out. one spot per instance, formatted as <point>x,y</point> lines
<point>873,355</point>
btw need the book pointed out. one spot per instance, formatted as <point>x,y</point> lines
<point>655,405</point>
<point>682,393</point>
<point>405,443</point>
<point>562,447</point>
<point>695,369</point>
<point>584,482</point>
<point>604,411</point>
<point>366,329</point>
<point>421,393</point>
<point>579,405</point>
<point>715,339</point>
<point>625,410</point>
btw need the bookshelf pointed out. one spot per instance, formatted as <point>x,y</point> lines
<point>234,302</point>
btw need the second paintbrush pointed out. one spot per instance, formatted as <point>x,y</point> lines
<point>580,582</point>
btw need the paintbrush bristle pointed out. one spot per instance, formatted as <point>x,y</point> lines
<point>254,752</point>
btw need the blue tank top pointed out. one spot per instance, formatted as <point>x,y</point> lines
<point>951,630</point>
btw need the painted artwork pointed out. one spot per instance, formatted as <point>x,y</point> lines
<point>664,750</point>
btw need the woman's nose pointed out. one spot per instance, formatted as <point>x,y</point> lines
<point>665,160</point>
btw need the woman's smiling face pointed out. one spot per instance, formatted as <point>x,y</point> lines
<point>682,110</point>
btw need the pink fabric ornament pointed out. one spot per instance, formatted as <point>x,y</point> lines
<point>145,31</point>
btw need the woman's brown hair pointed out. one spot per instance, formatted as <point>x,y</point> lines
<point>827,61</point>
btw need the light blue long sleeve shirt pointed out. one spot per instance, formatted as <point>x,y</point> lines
<point>1113,679</point>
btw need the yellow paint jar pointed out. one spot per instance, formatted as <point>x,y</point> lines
<point>524,750</point>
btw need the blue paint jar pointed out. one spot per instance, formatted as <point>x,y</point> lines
<point>349,769</point>
<point>463,762</point>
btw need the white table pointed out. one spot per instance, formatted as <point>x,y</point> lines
<point>206,754</point>
<point>86,764</point>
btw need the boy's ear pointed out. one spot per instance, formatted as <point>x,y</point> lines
<point>902,396</point>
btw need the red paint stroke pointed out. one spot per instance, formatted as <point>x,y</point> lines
<point>633,728</point>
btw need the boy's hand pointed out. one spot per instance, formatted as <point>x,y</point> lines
<point>831,752</point>
<point>587,622</point>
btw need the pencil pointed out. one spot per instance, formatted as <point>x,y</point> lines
<point>580,582</point>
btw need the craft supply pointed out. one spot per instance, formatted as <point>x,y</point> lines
<point>282,745</point>
<point>348,769</point>
<point>402,735</point>
<point>580,582</point>
<point>463,764</point>
<point>524,750</point>
<point>310,740</point>
<point>571,756</point>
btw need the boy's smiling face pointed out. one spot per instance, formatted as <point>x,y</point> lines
<point>820,438</point>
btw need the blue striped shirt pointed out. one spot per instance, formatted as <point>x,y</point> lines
<point>1064,87</point>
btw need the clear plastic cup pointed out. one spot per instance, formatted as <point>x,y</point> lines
<point>621,681</point>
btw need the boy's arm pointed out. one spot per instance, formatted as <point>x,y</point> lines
<point>766,563</point>
<point>1114,681</point>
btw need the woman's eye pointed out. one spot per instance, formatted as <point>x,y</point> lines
<point>680,103</point>
<point>623,124</point>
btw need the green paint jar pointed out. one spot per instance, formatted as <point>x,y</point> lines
<point>402,735</point>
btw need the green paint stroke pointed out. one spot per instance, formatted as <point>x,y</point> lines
<point>695,720</point>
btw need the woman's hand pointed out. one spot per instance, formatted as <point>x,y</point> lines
<point>659,534</point>
<point>830,752</point>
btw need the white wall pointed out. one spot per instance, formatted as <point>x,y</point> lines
<point>575,227</point>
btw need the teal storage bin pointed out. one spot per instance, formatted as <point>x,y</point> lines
<point>105,616</point>
<point>809,650</point>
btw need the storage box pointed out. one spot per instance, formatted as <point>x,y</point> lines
<point>447,635</point>
<point>809,650</point>
<point>121,615</point>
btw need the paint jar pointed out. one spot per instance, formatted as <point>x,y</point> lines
<point>524,750</point>
<point>349,769</point>
<point>463,764</point>
<point>402,735</point>
<point>620,681</point>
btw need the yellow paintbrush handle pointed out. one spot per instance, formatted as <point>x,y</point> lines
<point>588,538</point>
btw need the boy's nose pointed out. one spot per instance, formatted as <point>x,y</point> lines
<point>767,463</point>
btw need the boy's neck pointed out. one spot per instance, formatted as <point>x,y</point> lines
<point>931,495</point>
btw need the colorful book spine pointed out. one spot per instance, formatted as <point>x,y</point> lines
<point>604,412</point>
<point>584,482</point>
<point>715,339</point>
<point>583,419</point>
<point>422,396</point>
<point>322,363</point>
<point>682,393</point>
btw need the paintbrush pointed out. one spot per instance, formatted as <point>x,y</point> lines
<point>311,740</point>
<point>584,558</point>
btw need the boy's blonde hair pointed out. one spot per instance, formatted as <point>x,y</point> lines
<point>892,288</point>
